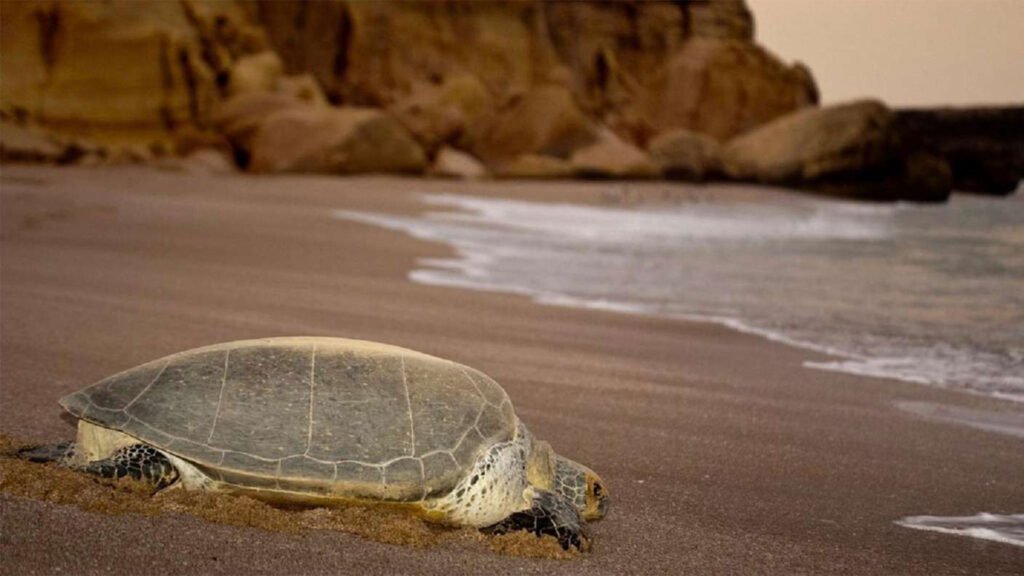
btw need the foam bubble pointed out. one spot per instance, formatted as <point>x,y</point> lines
<point>1009,422</point>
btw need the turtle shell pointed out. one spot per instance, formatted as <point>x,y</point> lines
<point>325,416</point>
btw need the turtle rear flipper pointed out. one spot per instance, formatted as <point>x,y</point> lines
<point>61,453</point>
<point>552,515</point>
<point>137,461</point>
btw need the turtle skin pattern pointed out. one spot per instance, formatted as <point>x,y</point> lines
<point>139,462</point>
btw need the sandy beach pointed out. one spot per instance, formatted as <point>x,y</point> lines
<point>721,452</point>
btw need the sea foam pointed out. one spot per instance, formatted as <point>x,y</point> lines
<point>924,294</point>
<point>1005,528</point>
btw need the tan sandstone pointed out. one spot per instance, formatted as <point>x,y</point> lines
<point>849,149</point>
<point>686,155</point>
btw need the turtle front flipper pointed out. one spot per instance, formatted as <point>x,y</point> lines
<point>551,514</point>
<point>140,462</point>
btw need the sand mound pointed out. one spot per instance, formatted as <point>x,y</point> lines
<point>67,487</point>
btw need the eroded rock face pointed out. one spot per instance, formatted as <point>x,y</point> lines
<point>640,68</point>
<point>503,80</point>
<point>848,150</point>
<point>645,68</point>
<point>375,53</point>
<point>723,88</point>
<point>117,71</point>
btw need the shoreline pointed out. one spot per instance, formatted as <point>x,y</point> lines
<point>721,451</point>
<point>488,234</point>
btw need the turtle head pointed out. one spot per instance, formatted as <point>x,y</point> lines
<point>582,486</point>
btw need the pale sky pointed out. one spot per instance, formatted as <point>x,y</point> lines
<point>906,52</point>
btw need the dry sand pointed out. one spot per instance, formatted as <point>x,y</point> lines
<point>721,452</point>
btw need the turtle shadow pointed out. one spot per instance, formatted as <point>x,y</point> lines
<point>69,419</point>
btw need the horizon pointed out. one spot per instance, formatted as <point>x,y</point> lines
<point>912,53</point>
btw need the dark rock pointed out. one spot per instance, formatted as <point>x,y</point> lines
<point>983,146</point>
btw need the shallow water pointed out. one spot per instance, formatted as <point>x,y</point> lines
<point>925,293</point>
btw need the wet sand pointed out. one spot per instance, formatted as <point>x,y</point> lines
<point>721,452</point>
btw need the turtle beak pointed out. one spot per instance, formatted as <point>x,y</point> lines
<point>602,508</point>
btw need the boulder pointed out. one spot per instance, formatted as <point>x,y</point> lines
<point>33,144</point>
<point>534,167</point>
<point>848,149</point>
<point>610,157</point>
<point>928,177</point>
<point>446,113</point>
<point>206,162</point>
<point>23,144</point>
<point>452,163</point>
<point>190,139</point>
<point>255,73</point>
<point>544,120</point>
<point>686,155</point>
<point>302,86</point>
<point>239,118</point>
<point>334,141</point>
<point>132,154</point>
<point>813,143</point>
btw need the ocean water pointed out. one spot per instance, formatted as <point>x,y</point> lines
<point>932,294</point>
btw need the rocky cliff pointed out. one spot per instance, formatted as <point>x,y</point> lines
<point>456,72</point>
<point>639,67</point>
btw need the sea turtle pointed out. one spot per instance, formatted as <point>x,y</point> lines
<point>330,420</point>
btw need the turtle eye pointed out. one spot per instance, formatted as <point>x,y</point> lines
<point>598,490</point>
